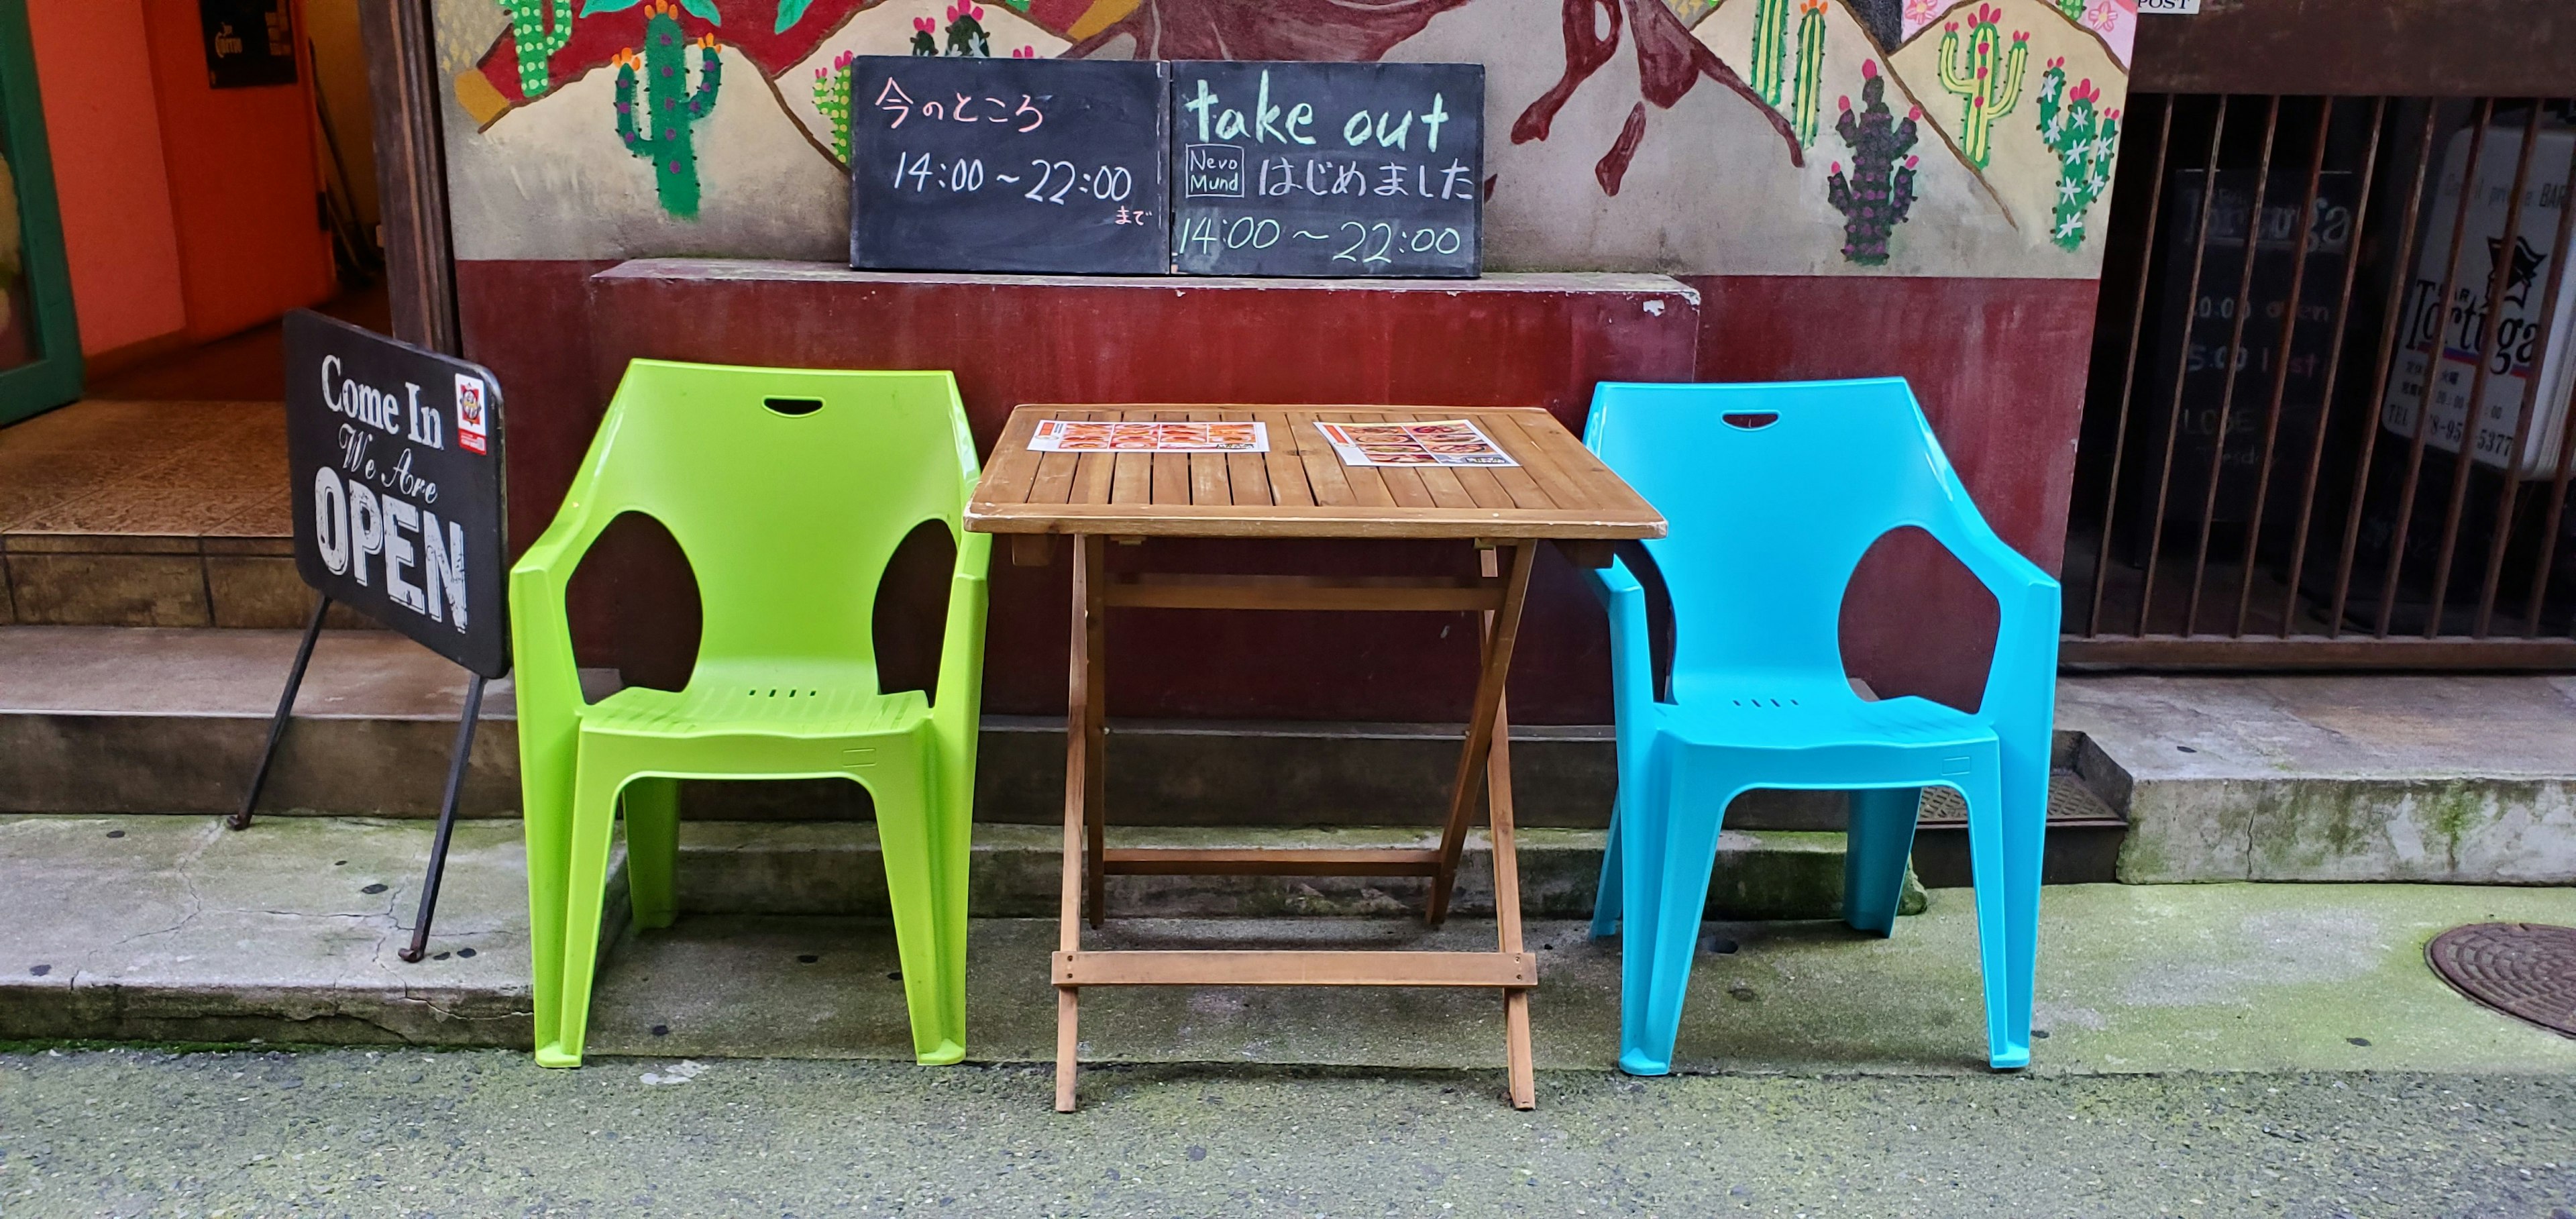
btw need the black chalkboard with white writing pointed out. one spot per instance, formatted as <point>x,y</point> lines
<point>1328,169</point>
<point>394,453</point>
<point>1030,165</point>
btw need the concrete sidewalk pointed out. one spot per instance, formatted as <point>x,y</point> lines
<point>172,929</point>
<point>354,1132</point>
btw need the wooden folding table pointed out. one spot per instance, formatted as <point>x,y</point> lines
<point>1301,488</point>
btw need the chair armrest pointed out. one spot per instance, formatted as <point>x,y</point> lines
<point>2021,685</point>
<point>540,633</point>
<point>1632,666</point>
<point>959,686</point>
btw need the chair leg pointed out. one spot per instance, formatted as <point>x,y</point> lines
<point>1656,961</point>
<point>1881,841</point>
<point>1605,899</point>
<point>652,807</point>
<point>1991,861</point>
<point>547,828</point>
<point>933,992</point>
<point>2025,831</point>
<point>594,815</point>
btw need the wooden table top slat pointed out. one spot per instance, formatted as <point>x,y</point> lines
<point>1288,485</point>
<point>1300,488</point>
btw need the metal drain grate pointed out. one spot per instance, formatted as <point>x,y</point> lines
<point>2525,970</point>
<point>2068,800</point>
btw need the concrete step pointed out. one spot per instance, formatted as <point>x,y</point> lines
<point>287,933</point>
<point>2386,777</point>
<point>163,720</point>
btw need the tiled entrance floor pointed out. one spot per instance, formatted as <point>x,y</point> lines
<point>127,513</point>
<point>173,469</point>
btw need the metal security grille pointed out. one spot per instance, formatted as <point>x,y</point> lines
<point>2327,424</point>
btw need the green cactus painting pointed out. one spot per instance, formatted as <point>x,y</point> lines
<point>832,101</point>
<point>538,29</point>
<point>1805,91</point>
<point>1772,76</point>
<point>1985,75</point>
<point>966,36</point>
<point>1880,190</point>
<point>663,136</point>
<point>2086,138</point>
<point>1770,47</point>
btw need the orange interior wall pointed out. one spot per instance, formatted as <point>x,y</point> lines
<point>94,71</point>
<point>241,182</point>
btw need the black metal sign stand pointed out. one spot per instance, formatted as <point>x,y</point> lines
<point>463,749</point>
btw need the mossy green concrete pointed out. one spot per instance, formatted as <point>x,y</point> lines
<point>2131,978</point>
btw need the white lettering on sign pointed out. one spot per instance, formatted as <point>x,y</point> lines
<point>1389,129</point>
<point>384,411</point>
<point>352,524</point>
<point>2170,8</point>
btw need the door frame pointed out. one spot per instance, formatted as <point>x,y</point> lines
<point>53,377</point>
<point>411,170</point>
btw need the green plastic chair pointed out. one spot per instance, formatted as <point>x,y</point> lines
<point>788,490</point>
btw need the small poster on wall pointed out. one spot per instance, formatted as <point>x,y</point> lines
<point>249,43</point>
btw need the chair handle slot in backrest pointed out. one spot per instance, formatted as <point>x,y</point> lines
<point>793,406</point>
<point>1751,421</point>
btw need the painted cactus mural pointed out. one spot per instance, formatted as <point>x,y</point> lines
<point>1985,74</point>
<point>1773,79</point>
<point>663,133</point>
<point>1880,190</point>
<point>1770,47</point>
<point>1805,91</point>
<point>2086,138</point>
<point>832,101</point>
<point>925,36</point>
<point>538,29</point>
<point>966,36</point>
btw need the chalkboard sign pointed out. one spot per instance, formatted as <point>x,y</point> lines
<point>395,457</point>
<point>1328,169</point>
<point>1033,165</point>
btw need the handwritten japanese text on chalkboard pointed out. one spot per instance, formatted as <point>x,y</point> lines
<point>1007,165</point>
<point>1327,169</point>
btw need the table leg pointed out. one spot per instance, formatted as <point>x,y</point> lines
<point>1081,767</point>
<point>1502,628</point>
<point>1521,1069</point>
<point>1095,616</point>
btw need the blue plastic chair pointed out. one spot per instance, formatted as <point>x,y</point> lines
<point>1774,493</point>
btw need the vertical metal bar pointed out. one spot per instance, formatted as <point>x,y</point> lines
<point>2129,375</point>
<point>2566,455</point>
<point>2334,364</point>
<point>2424,412</point>
<point>2182,364</point>
<point>2399,282</point>
<point>285,709</point>
<point>2281,373</point>
<point>2530,402</point>
<point>2557,507</point>
<point>446,820</point>
<point>2235,365</point>
<point>2474,411</point>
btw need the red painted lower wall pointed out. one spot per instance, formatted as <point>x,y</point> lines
<point>1999,365</point>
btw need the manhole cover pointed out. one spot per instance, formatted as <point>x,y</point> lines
<point>2526,970</point>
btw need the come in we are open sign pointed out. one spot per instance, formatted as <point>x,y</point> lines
<point>394,453</point>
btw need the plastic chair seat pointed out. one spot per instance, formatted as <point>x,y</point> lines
<point>760,703</point>
<point>1764,712</point>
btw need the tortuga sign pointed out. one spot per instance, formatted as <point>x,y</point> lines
<point>395,456</point>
